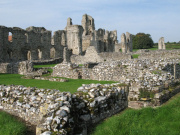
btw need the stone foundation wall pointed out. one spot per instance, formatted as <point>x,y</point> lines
<point>66,70</point>
<point>22,68</point>
<point>159,54</point>
<point>161,95</point>
<point>92,56</point>
<point>47,62</point>
<point>148,73</point>
<point>63,112</point>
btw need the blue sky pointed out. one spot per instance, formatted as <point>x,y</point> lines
<point>159,18</point>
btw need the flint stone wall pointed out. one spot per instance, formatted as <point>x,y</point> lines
<point>163,94</point>
<point>92,56</point>
<point>148,72</point>
<point>158,54</point>
<point>63,112</point>
<point>34,43</point>
<point>22,68</point>
<point>47,62</point>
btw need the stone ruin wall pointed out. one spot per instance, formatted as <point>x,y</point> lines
<point>74,39</point>
<point>22,67</point>
<point>92,56</point>
<point>103,41</point>
<point>147,74</point>
<point>123,70</point>
<point>158,54</point>
<point>63,112</point>
<point>34,43</point>
<point>126,45</point>
<point>161,44</point>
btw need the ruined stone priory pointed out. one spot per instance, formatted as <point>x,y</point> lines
<point>36,43</point>
<point>81,52</point>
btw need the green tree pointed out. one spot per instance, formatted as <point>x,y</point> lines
<point>142,41</point>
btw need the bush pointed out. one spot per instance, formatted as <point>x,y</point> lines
<point>142,41</point>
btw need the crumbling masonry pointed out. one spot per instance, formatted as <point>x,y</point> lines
<point>36,43</point>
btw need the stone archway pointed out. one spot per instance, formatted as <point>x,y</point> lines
<point>10,36</point>
<point>39,54</point>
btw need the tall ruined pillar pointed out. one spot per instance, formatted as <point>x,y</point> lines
<point>161,44</point>
<point>66,55</point>
<point>93,41</point>
<point>129,42</point>
<point>123,43</point>
<point>87,24</point>
<point>69,21</point>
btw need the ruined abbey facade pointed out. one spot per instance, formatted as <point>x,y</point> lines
<point>36,43</point>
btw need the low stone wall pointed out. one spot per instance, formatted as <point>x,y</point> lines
<point>22,67</point>
<point>67,70</point>
<point>158,54</point>
<point>62,112</point>
<point>163,94</point>
<point>47,62</point>
<point>51,79</point>
<point>147,72</point>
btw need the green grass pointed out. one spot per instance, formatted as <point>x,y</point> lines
<point>10,126</point>
<point>164,120</point>
<point>40,66</point>
<point>135,56</point>
<point>169,46</point>
<point>70,86</point>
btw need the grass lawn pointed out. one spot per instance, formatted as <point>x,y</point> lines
<point>70,86</point>
<point>40,66</point>
<point>135,56</point>
<point>169,46</point>
<point>164,120</point>
<point>10,126</point>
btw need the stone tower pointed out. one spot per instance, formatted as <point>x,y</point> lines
<point>74,37</point>
<point>126,42</point>
<point>123,43</point>
<point>87,24</point>
<point>69,21</point>
<point>129,42</point>
<point>161,44</point>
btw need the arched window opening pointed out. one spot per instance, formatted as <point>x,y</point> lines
<point>27,39</point>
<point>39,54</point>
<point>29,55</point>
<point>89,22</point>
<point>10,36</point>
